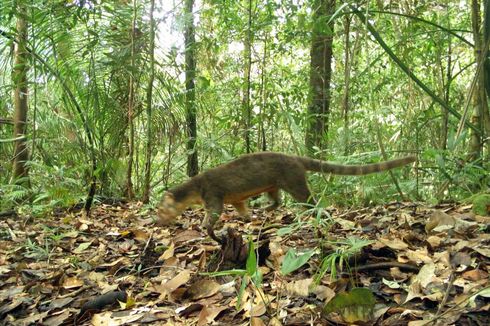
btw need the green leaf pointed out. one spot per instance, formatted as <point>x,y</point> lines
<point>295,260</point>
<point>240,292</point>
<point>82,247</point>
<point>354,306</point>
<point>251,259</point>
<point>284,231</point>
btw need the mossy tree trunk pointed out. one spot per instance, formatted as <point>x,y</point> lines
<point>320,75</point>
<point>190,87</point>
<point>19,78</point>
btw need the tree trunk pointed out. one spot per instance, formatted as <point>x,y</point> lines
<point>262,143</point>
<point>149,97</point>
<point>129,172</point>
<point>190,76</point>
<point>19,78</point>
<point>320,75</point>
<point>479,96</point>
<point>445,112</point>
<point>346,95</point>
<point>486,79</point>
<point>247,56</point>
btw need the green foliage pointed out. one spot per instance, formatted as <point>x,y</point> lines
<point>481,204</point>
<point>78,90</point>
<point>294,260</point>
<point>37,251</point>
<point>250,274</point>
<point>354,306</point>
<point>343,250</point>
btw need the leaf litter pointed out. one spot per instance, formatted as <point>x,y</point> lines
<point>424,266</point>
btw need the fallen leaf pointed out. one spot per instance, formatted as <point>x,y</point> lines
<point>82,247</point>
<point>419,256</point>
<point>107,319</point>
<point>171,285</point>
<point>33,319</point>
<point>58,318</point>
<point>395,244</point>
<point>168,253</point>
<point>299,288</point>
<point>255,321</point>
<point>323,292</point>
<point>60,303</point>
<point>140,235</point>
<point>440,220</point>
<point>483,251</point>
<point>426,274</point>
<point>434,241</point>
<point>72,283</point>
<point>475,275</point>
<point>202,289</point>
<point>187,235</point>
<point>208,314</point>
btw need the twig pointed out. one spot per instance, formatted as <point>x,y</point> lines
<point>446,295</point>
<point>386,265</point>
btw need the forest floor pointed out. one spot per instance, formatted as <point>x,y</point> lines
<point>423,265</point>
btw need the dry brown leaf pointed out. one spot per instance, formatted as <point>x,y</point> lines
<point>187,235</point>
<point>171,285</point>
<point>299,288</point>
<point>475,275</point>
<point>208,314</point>
<point>395,244</point>
<point>58,317</point>
<point>32,319</point>
<point>274,322</point>
<point>72,283</point>
<point>323,293</point>
<point>398,275</point>
<point>255,321</point>
<point>202,289</point>
<point>434,241</point>
<point>439,221</point>
<point>483,251</point>
<point>168,253</point>
<point>419,256</point>
<point>420,282</point>
<point>107,319</point>
<point>140,235</point>
<point>254,310</point>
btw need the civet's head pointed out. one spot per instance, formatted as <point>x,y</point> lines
<point>168,209</point>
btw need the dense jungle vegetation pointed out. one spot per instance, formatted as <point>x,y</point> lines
<point>112,99</point>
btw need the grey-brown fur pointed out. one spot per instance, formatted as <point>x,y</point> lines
<point>252,174</point>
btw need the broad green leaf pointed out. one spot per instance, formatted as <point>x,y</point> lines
<point>295,260</point>
<point>354,306</point>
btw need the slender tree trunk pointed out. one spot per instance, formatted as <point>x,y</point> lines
<point>479,96</point>
<point>486,109</point>
<point>247,56</point>
<point>445,112</point>
<point>19,76</point>
<point>262,144</point>
<point>320,75</point>
<point>129,174</point>
<point>190,76</point>
<point>345,97</point>
<point>149,97</point>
